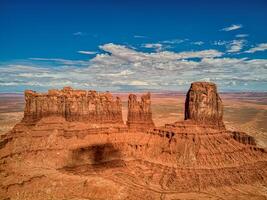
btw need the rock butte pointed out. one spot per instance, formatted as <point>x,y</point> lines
<point>73,105</point>
<point>203,104</point>
<point>73,144</point>
<point>139,113</point>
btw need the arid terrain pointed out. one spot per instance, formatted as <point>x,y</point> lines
<point>77,144</point>
<point>133,100</point>
<point>245,112</point>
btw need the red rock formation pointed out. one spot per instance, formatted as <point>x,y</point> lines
<point>77,160</point>
<point>203,104</point>
<point>243,138</point>
<point>73,105</point>
<point>139,113</point>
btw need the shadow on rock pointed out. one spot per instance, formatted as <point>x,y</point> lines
<point>94,158</point>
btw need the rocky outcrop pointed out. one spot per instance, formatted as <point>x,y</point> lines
<point>203,104</point>
<point>139,112</point>
<point>243,138</point>
<point>73,105</point>
<point>76,160</point>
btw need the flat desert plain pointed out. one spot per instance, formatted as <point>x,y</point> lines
<point>245,112</point>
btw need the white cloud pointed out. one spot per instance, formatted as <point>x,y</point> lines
<point>133,55</point>
<point>138,83</point>
<point>124,68</point>
<point>156,46</point>
<point>124,73</point>
<point>235,46</point>
<point>220,43</point>
<point>232,27</point>
<point>87,52</point>
<point>198,43</point>
<point>61,61</point>
<point>174,41</point>
<point>259,47</point>
<point>211,53</point>
<point>241,35</point>
<point>17,68</point>
<point>79,33</point>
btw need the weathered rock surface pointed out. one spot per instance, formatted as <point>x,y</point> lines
<point>59,159</point>
<point>139,112</point>
<point>73,105</point>
<point>203,104</point>
<point>243,138</point>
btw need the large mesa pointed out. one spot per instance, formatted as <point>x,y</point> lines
<point>73,105</point>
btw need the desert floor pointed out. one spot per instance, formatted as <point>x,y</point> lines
<point>245,112</point>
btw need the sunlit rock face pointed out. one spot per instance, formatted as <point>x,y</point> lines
<point>139,112</point>
<point>55,148</point>
<point>73,105</point>
<point>203,104</point>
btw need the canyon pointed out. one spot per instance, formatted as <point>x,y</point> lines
<point>73,144</point>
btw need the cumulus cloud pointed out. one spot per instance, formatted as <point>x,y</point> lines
<point>259,47</point>
<point>220,43</point>
<point>232,46</point>
<point>138,83</point>
<point>119,74</point>
<point>235,46</point>
<point>232,27</point>
<point>87,52</point>
<point>156,46</point>
<point>122,68</point>
<point>133,55</point>
<point>198,43</point>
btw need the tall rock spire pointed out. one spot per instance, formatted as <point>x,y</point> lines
<point>139,112</point>
<point>203,104</point>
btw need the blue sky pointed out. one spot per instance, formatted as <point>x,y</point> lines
<point>132,45</point>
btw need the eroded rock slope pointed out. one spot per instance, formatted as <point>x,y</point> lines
<point>73,145</point>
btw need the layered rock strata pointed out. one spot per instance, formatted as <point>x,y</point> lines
<point>73,105</point>
<point>139,112</point>
<point>59,159</point>
<point>203,104</point>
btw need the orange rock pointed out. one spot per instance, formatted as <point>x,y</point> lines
<point>73,105</point>
<point>139,112</point>
<point>203,104</point>
<point>108,161</point>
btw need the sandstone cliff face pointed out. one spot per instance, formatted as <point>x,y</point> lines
<point>77,160</point>
<point>139,112</point>
<point>203,104</point>
<point>73,105</point>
